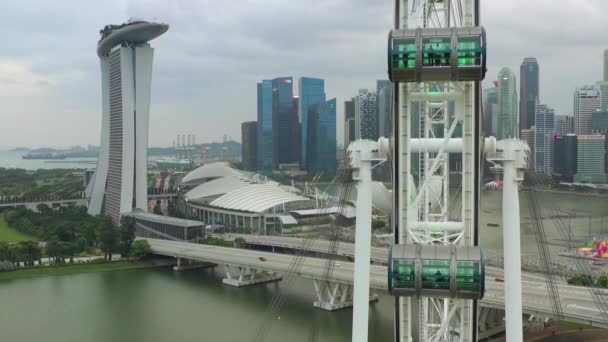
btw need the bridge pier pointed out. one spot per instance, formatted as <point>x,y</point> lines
<point>335,296</point>
<point>190,264</point>
<point>246,276</point>
<point>490,322</point>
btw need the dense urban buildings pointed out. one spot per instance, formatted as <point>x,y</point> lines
<point>528,135</point>
<point>591,156</point>
<point>507,105</point>
<point>312,92</point>
<point>606,65</point>
<point>264,130</point>
<point>490,111</point>
<point>564,157</point>
<point>322,139</point>
<point>544,119</point>
<point>564,124</point>
<point>366,122</point>
<point>349,122</point>
<point>586,101</point>
<point>384,90</point>
<point>599,122</point>
<point>120,182</point>
<point>249,138</point>
<point>528,91</point>
<point>284,122</point>
<point>603,84</point>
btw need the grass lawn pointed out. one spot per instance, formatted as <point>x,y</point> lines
<point>573,326</point>
<point>75,268</point>
<point>8,234</point>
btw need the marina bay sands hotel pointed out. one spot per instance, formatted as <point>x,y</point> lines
<point>119,185</point>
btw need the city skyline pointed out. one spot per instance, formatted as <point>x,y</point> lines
<point>195,71</point>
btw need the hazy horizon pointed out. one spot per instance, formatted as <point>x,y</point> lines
<point>207,65</point>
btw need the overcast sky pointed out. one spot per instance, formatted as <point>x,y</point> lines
<point>207,65</point>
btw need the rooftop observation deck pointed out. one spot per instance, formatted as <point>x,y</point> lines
<point>136,32</point>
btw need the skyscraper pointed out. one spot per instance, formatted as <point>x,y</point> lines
<point>349,122</point>
<point>599,122</point>
<point>564,124</point>
<point>384,89</point>
<point>264,130</point>
<point>528,91</point>
<point>507,105</point>
<point>606,65</point>
<point>312,91</point>
<point>591,155</point>
<point>586,101</point>
<point>543,141</point>
<point>249,144</point>
<point>603,84</point>
<point>564,157</point>
<point>120,182</point>
<point>528,135</point>
<point>322,138</point>
<point>490,111</point>
<point>366,120</point>
<point>284,122</point>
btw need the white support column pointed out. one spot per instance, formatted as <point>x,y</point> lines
<point>363,238</point>
<point>512,259</point>
<point>362,153</point>
<point>513,155</point>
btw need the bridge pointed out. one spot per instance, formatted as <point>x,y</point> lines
<point>247,267</point>
<point>32,205</point>
<point>165,196</point>
<point>74,201</point>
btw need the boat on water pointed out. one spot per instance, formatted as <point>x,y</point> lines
<point>48,156</point>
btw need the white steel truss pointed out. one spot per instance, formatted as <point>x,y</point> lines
<point>422,192</point>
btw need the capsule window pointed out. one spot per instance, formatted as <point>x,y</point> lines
<point>435,274</point>
<point>436,52</point>
<point>404,274</point>
<point>469,51</point>
<point>404,54</point>
<point>467,276</point>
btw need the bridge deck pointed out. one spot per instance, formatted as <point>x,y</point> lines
<point>577,304</point>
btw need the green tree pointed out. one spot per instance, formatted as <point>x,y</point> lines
<point>140,248</point>
<point>581,279</point>
<point>82,244</point>
<point>53,250</point>
<point>108,238</point>
<point>127,234</point>
<point>4,252</point>
<point>29,252</point>
<point>15,254</point>
<point>43,208</point>
<point>88,233</point>
<point>157,209</point>
<point>602,281</point>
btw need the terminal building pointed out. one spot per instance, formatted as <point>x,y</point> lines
<point>245,202</point>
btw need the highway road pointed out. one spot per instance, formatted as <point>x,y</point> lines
<point>576,301</point>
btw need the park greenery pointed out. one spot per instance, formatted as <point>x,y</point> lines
<point>19,185</point>
<point>217,241</point>
<point>68,232</point>
<point>65,269</point>
<point>588,280</point>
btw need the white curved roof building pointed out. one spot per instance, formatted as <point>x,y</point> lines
<point>211,171</point>
<point>241,200</point>
<point>258,198</point>
<point>223,187</point>
<point>215,187</point>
